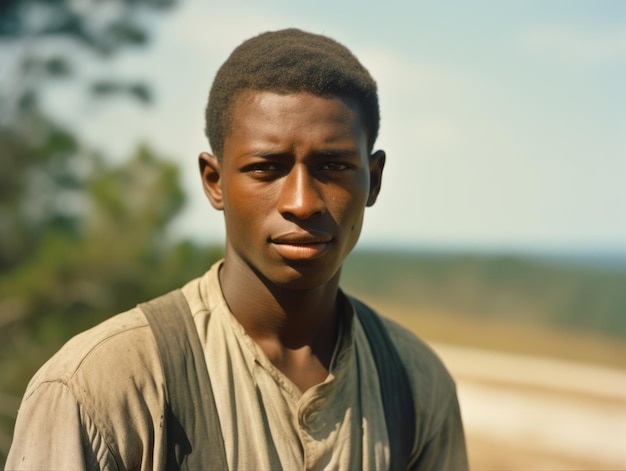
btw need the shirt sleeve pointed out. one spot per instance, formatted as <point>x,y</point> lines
<point>445,449</point>
<point>52,432</point>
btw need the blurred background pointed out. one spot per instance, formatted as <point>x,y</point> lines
<point>499,236</point>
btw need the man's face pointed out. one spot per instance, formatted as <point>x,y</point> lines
<point>294,180</point>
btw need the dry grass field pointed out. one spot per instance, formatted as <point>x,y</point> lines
<point>532,398</point>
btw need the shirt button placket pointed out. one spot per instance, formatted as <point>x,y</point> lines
<point>312,420</point>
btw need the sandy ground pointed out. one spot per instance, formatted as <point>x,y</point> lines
<point>529,413</point>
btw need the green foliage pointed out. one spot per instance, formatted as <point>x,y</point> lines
<point>38,162</point>
<point>101,26</point>
<point>45,37</point>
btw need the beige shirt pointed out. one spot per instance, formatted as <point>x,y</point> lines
<point>99,402</point>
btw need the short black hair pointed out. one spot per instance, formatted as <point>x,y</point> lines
<point>290,61</point>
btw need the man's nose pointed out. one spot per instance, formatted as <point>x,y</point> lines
<point>300,194</point>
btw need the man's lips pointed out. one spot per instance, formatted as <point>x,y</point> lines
<point>301,246</point>
<point>301,238</point>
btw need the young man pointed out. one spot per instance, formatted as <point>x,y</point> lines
<point>298,379</point>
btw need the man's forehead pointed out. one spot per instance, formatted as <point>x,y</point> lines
<point>257,99</point>
<point>261,109</point>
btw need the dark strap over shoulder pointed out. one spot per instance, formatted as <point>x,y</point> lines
<point>394,388</point>
<point>192,420</point>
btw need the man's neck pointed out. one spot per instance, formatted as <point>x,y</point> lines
<point>297,329</point>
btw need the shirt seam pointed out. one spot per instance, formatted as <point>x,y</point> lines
<point>67,379</point>
<point>83,412</point>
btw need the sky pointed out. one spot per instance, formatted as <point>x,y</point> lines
<point>504,122</point>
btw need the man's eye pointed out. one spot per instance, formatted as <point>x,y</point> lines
<point>263,167</point>
<point>264,171</point>
<point>335,166</point>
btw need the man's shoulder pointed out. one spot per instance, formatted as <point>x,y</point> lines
<point>432,386</point>
<point>118,348</point>
<point>426,372</point>
<point>111,376</point>
<point>415,353</point>
<point>121,346</point>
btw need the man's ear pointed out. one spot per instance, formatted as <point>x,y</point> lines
<point>377,164</point>
<point>210,171</point>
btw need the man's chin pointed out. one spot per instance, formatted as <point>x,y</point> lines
<point>302,276</point>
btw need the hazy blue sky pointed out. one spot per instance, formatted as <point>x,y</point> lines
<point>504,122</point>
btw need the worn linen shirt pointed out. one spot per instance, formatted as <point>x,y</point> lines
<point>98,404</point>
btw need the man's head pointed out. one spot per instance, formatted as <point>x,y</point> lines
<point>292,119</point>
<point>290,61</point>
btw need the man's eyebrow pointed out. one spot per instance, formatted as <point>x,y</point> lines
<point>337,152</point>
<point>323,153</point>
<point>267,154</point>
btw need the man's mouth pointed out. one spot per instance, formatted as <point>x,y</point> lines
<point>301,246</point>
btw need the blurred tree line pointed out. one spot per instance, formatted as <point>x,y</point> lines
<point>80,238</point>
<point>578,294</point>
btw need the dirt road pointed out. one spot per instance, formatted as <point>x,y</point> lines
<point>524,412</point>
